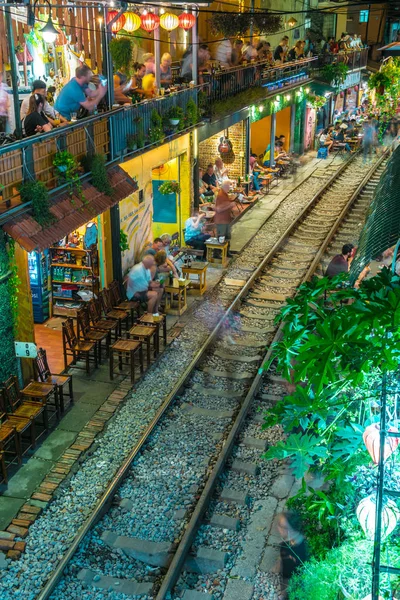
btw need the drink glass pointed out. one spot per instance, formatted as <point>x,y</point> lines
<point>74,116</point>
<point>162,91</point>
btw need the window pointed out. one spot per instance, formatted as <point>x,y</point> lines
<point>364,16</point>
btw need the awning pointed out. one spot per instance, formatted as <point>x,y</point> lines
<point>320,89</point>
<point>70,212</point>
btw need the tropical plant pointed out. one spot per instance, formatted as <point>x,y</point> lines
<point>192,113</point>
<point>37,193</point>
<point>121,50</point>
<point>156,132</point>
<point>386,84</point>
<point>169,187</point>
<point>14,283</point>
<point>175,113</point>
<point>335,73</point>
<point>8,364</point>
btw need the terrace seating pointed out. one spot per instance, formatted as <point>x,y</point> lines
<point>9,445</point>
<point>91,334</point>
<point>110,325</point>
<point>119,303</point>
<point>120,316</point>
<point>42,373</point>
<point>78,350</point>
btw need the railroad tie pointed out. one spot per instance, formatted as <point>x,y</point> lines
<point>130,587</point>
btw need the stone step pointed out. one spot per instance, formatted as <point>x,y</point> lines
<point>130,587</point>
<point>216,392</point>
<point>195,595</point>
<point>156,554</point>
<point>231,496</point>
<point>224,522</point>
<point>207,412</point>
<point>248,468</point>
<point>238,589</point>
<point>237,357</point>
<point>207,560</point>
<point>257,443</point>
<point>229,374</point>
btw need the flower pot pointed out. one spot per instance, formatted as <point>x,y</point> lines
<point>62,168</point>
<point>174,122</point>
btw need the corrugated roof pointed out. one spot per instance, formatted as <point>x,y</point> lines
<point>70,212</point>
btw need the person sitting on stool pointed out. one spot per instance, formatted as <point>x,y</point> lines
<point>223,207</point>
<point>193,234</point>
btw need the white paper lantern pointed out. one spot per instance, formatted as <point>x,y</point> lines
<point>366,515</point>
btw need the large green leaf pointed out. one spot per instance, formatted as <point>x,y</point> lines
<point>302,449</point>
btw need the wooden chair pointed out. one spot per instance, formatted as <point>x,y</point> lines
<point>78,350</point>
<point>126,349</point>
<point>111,313</point>
<point>9,445</point>
<point>157,322</point>
<point>91,334</point>
<point>145,334</point>
<point>120,304</point>
<point>42,373</point>
<point>110,325</point>
<point>24,414</point>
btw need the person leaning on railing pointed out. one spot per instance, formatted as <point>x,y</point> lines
<point>76,93</point>
<point>36,121</point>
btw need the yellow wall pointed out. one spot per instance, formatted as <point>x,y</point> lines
<point>260,133</point>
<point>283,125</point>
<point>24,326</point>
<point>137,217</point>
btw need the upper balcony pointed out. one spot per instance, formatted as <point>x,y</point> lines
<point>355,60</point>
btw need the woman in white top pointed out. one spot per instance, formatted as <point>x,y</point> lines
<point>221,172</point>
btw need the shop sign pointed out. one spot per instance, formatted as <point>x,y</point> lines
<point>351,80</point>
<point>25,349</point>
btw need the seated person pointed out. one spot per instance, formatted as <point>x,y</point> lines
<point>204,191</point>
<point>35,120</point>
<point>165,70</point>
<point>155,247</point>
<point>221,172</point>
<point>255,170</point>
<point>341,262</point>
<point>76,93</point>
<point>121,87</point>
<point>210,179</point>
<point>148,84</point>
<point>141,287</point>
<point>161,270</point>
<point>193,232</point>
<point>338,137</point>
<point>325,140</point>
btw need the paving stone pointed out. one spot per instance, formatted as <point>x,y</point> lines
<point>254,542</point>
<point>130,587</point>
<point>207,412</point>
<point>6,545</point>
<point>257,443</point>
<point>20,546</point>
<point>269,559</point>
<point>241,466</point>
<point>237,588</point>
<point>25,517</point>
<point>229,374</point>
<point>282,485</point>
<point>39,503</point>
<point>216,392</point>
<point>3,561</point>
<point>232,496</point>
<point>21,523</point>
<point>6,535</point>
<point>224,522</point>
<point>195,595</point>
<point>207,560</point>
<point>157,554</point>
<point>31,509</point>
<point>14,554</point>
<point>19,531</point>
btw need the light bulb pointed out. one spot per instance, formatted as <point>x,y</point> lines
<point>261,108</point>
<point>288,97</point>
<point>307,90</point>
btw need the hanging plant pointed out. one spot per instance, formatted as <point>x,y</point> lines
<point>266,23</point>
<point>123,241</point>
<point>169,187</point>
<point>335,73</point>
<point>315,101</point>
<point>192,113</point>
<point>68,172</point>
<point>232,24</point>
<point>37,193</point>
<point>121,50</point>
<point>156,132</point>
<point>100,178</point>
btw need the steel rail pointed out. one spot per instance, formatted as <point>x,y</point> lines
<point>188,537</point>
<point>107,496</point>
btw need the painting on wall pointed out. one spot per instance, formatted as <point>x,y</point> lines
<point>164,205</point>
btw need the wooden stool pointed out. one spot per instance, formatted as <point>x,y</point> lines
<point>176,306</point>
<point>43,391</point>
<point>156,322</point>
<point>145,334</point>
<point>199,269</point>
<point>218,262</point>
<point>126,348</point>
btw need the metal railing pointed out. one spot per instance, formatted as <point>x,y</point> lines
<point>109,133</point>
<point>355,59</point>
<point>229,82</point>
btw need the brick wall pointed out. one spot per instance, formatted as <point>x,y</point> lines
<point>235,160</point>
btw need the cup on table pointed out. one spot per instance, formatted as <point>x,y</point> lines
<point>162,91</point>
<point>74,116</point>
<point>221,239</point>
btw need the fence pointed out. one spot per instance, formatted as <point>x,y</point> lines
<point>356,59</point>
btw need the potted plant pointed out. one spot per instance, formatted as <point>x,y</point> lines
<point>131,142</point>
<point>37,193</point>
<point>175,115</point>
<point>121,50</point>
<point>156,132</point>
<point>65,164</point>
<point>169,187</point>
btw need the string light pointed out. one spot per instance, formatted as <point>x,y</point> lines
<point>288,97</point>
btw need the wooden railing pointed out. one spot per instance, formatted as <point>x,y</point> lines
<point>106,133</point>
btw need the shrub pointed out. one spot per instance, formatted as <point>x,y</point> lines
<point>37,193</point>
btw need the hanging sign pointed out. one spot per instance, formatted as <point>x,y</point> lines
<point>25,349</point>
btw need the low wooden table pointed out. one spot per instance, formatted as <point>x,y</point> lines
<point>126,349</point>
<point>199,269</point>
<point>217,262</point>
<point>176,306</point>
<point>157,322</point>
<point>145,335</point>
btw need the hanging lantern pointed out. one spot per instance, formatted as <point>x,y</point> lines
<point>186,21</point>
<point>149,21</point>
<point>366,515</point>
<point>342,94</point>
<point>119,23</point>
<point>371,440</point>
<point>132,21</point>
<point>356,88</point>
<point>169,21</point>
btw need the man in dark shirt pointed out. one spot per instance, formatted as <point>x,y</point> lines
<point>279,53</point>
<point>340,262</point>
<point>209,178</point>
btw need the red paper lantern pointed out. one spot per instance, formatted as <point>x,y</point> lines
<point>186,21</point>
<point>150,21</point>
<point>356,88</point>
<point>371,441</point>
<point>119,23</point>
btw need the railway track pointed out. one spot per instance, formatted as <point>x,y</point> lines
<point>141,536</point>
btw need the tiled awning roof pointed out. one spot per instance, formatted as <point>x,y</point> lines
<point>70,212</point>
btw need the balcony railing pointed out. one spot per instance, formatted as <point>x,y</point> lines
<point>229,82</point>
<point>356,59</point>
<point>106,133</point>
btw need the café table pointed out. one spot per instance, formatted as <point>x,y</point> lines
<point>199,270</point>
<point>175,297</point>
<point>217,262</point>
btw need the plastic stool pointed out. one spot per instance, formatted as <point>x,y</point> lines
<point>322,153</point>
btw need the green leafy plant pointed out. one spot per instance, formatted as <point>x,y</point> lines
<point>121,50</point>
<point>100,178</point>
<point>68,172</point>
<point>156,132</point>
<point>123,241</point>
<point>8,364</point>
<point>234,24</point>
<point>192,113</point>
<point>386,83</point>
<point>315,101</point>
<point>335,73</point>
<point>37,193</point>
<point>175,113</point>
<point>131,142</point>
<point>14,283</point>
<point>169,187</point>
